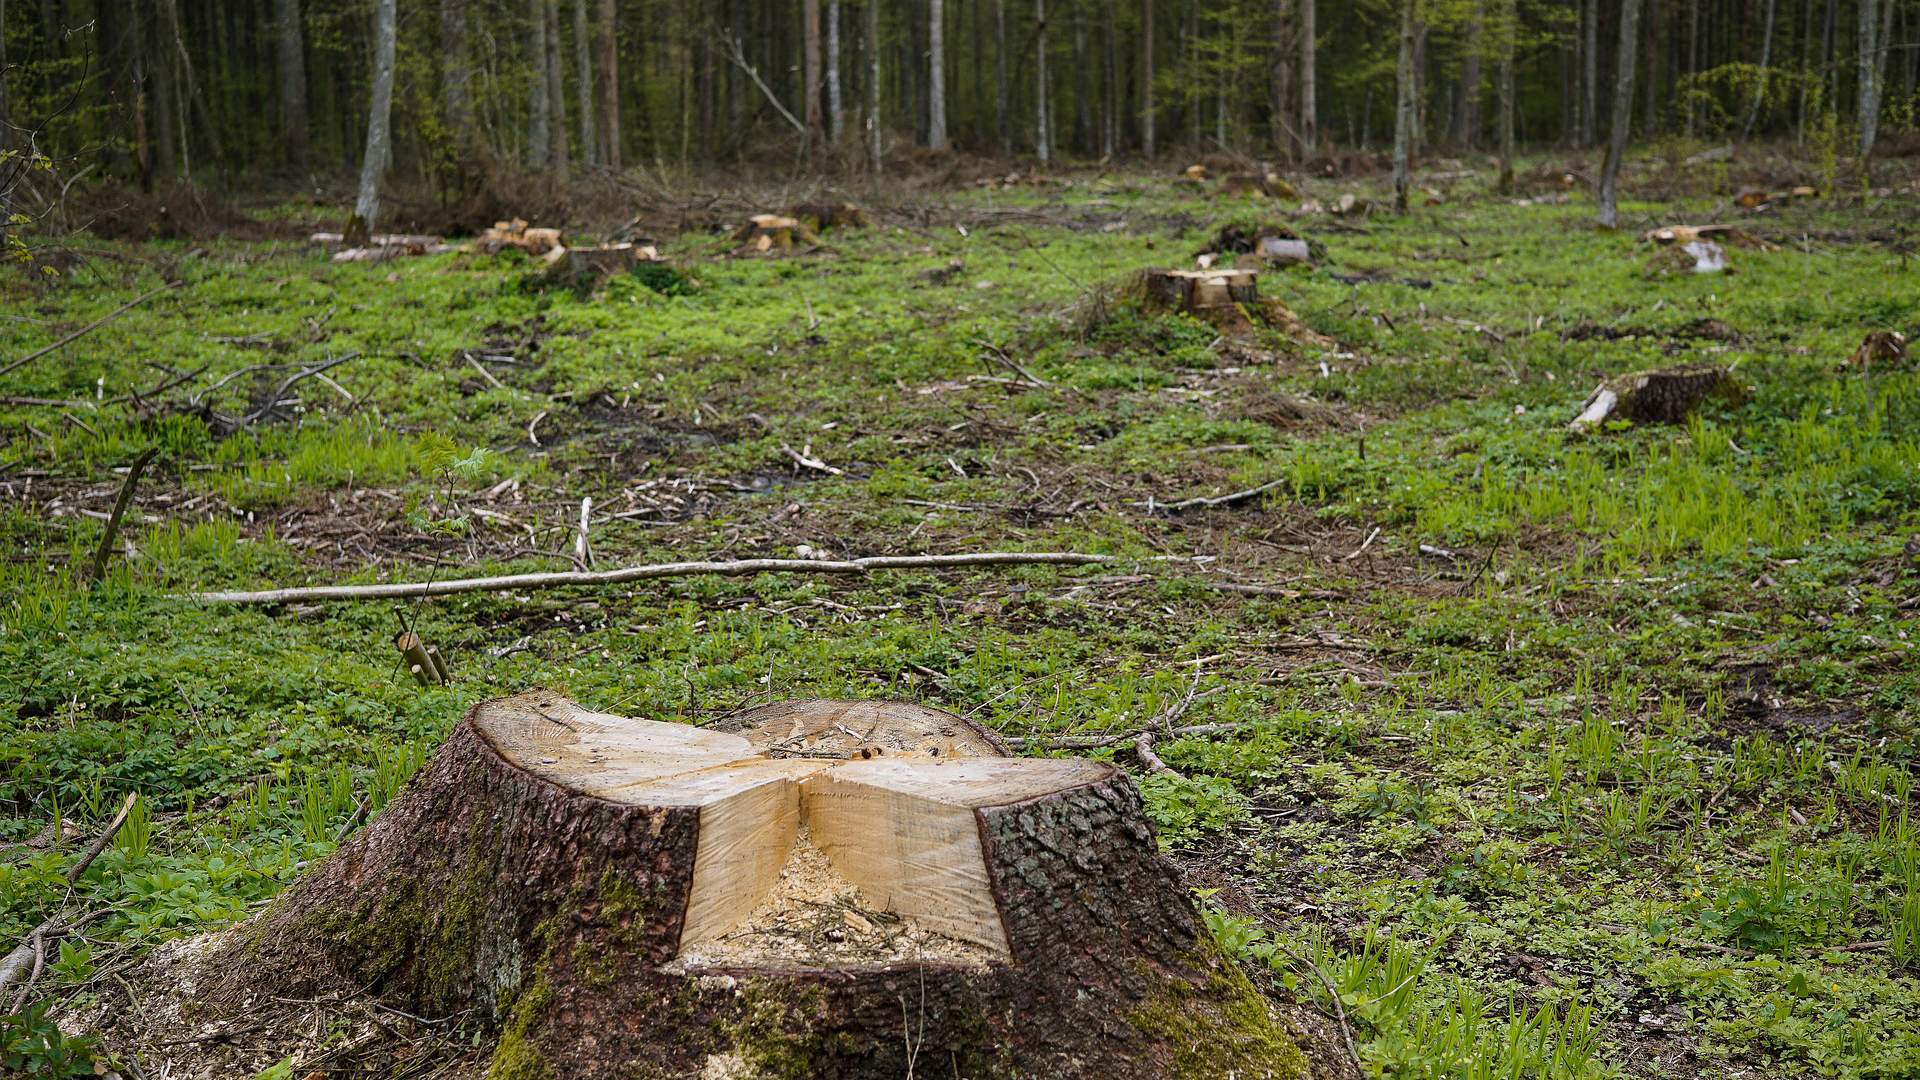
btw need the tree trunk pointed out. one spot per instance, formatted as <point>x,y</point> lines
<point>1590,68</point>
<point>1280,85</point>
<point>1082,118</point>
<point>373,161</point>
<point>1109,91</point>
<point>936,74</point>
<point>609,77</point>
<point>1652,40</point>
<point>875,147</point>
<point>810,73</point>
<point>457,75</point>
<point>583,68</point>
<point>836,116</point>
<point>1622,120</point>
<point>1466,107</point>
<point>1403,108</point>
<point>626,898</point>
<point>292,57</point>
<point>1043,127</point>
<point>539,138</point>
<point>165,98</point>
<point>556,91</point>
<point>1002,103</point>
<point>1760,82</point>
<point>1509,29</point>
<point>1309,102</point>
<point>6,116</point>
<point>1146,79</point>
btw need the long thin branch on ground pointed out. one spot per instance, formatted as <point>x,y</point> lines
<point>1094,742</point>
<point>90,327</point>
<point>734,568</point>
<point>1152,505</point>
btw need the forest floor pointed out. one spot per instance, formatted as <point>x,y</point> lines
<point>1561,755</point>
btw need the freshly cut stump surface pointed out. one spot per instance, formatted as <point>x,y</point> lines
<point>831,889</point>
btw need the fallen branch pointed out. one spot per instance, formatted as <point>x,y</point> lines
<point>1152,505</point>
<point>806,458</point>
<point>1143,749</point>
<point>16,965</point>
<point>555,579</point>
<point>90,327</point>
<point>1095,742</point>
<point>1333,992</point>
<point>101,554</point>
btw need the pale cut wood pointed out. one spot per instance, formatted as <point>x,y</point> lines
<point>906,832</point>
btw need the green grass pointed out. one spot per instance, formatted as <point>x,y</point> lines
<point>1617,780</point>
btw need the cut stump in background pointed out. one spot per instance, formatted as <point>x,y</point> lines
<point>1227,298</point>
<point>838,889</point>
<point>1666,396</point>
<point>764,233</point>
<point>585,267</point>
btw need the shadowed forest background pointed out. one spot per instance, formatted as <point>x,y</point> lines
<point>163,92</point>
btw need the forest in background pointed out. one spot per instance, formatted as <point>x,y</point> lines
<point>235,93</point>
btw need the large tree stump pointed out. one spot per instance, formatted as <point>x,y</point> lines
<point>818,889</point>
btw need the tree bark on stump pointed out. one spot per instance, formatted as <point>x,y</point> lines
<point>595,885</point>
<point>1666,396</point>
<point>582,268</point>
<point>764,233</point>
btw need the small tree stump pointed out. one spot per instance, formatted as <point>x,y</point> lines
<point>582,268</point>
<point>1884,348</point>
<point>765,233</point>
<point>1202,293</point>
<point>807,889</point>
<point>1666,396</point>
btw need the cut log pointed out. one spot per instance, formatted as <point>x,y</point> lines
<point>1667,396</point>
<point>784,894</point>
<point>583,268</point>
<point>765,233</point>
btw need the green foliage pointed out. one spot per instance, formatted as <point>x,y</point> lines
<point>1183,808</point>
<point>32,1045</point>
